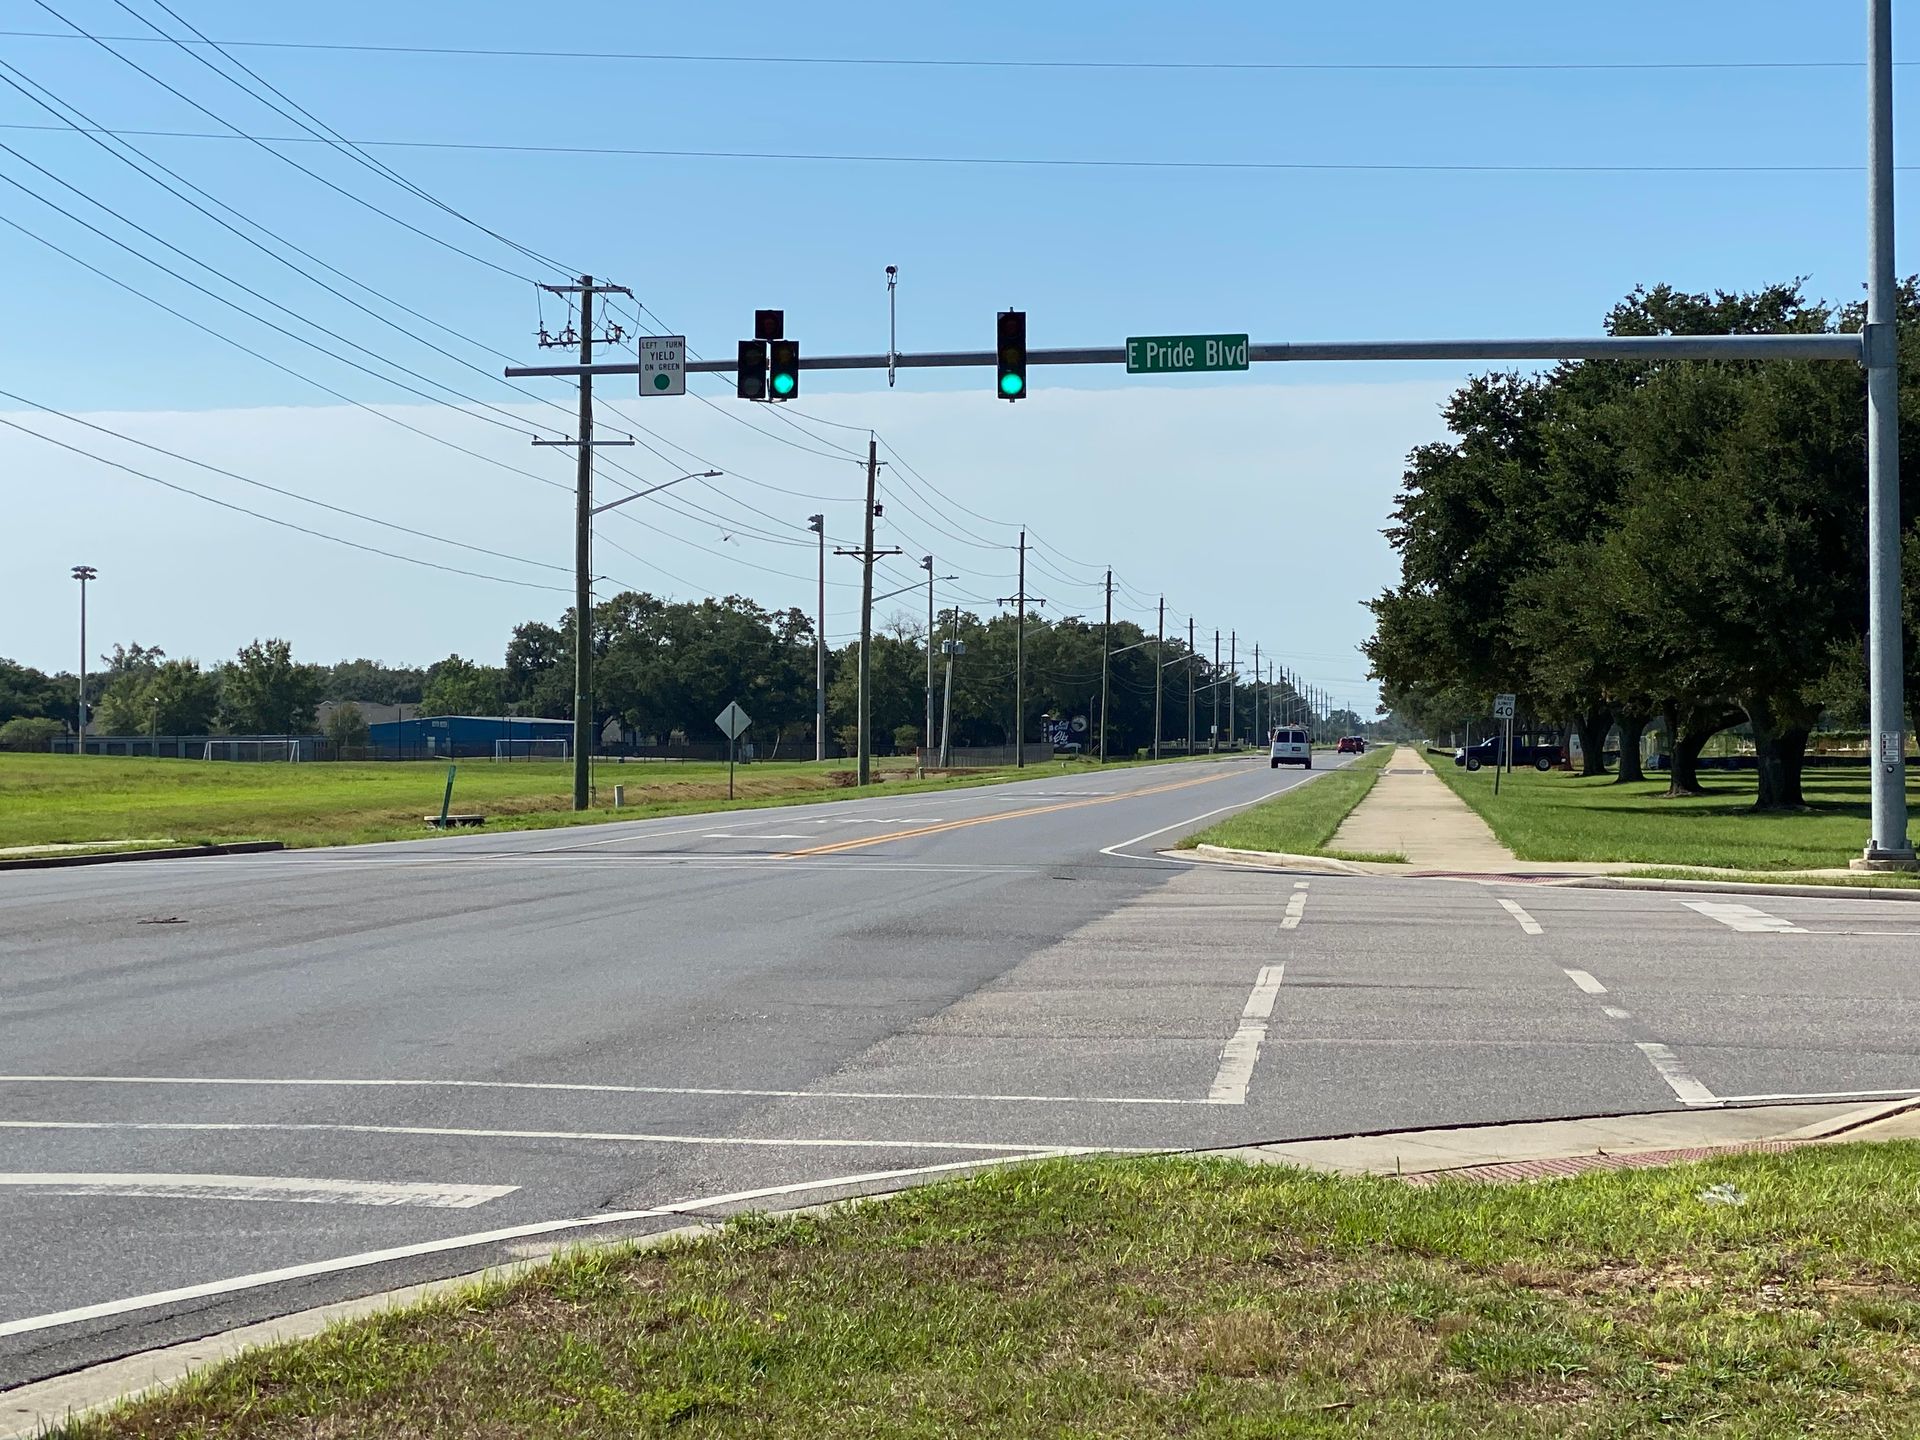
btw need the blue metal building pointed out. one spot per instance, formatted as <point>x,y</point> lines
<point>456,737</point>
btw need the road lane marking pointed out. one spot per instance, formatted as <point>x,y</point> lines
<point>1296,907</point>
<point>1242,1050</point>
<point>1116,851</point>
<point>284,1188</point>
<point>1586,982</point>
<point>862,842</point>
<point>1679,1078</point>
<point>1743,918</point>
<point>261,1278</point>
<point>1911,1091</point>
<point>1301,884</point>
<point>618,1137</point>
<point>595,1089</point>
<point>1614,1012</point>
<point>1527,923</point>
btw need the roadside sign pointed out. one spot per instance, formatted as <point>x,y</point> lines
<point>1503,707</point>
<point>1180,354</point>
<point>733,721</point>
<point>663,364</point>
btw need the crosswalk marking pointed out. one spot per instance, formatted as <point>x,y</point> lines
<point>1744,918</point>
<point>284,1188</point>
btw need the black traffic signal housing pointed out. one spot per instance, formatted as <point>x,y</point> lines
<point>1012,353</point>
<point>783,375</point>
<point>750,373</point>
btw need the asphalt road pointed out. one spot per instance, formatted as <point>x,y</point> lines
<point>237,1087</point>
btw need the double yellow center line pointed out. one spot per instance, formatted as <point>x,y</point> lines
<point>863,842</point>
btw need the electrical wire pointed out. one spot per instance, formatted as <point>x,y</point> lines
<point>1027,162</point>
<point>991,63</point>
<point>276,520</point>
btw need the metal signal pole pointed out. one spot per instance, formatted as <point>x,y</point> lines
<point>1191,652</point>
<point>818,524</point>
<point>1159,672</point>
<point>1106,650</point>
<point>1022,600</point>
<point>82,573</point>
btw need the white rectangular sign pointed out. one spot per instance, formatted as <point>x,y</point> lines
<point>1503,707</point>
<point>663,364</point>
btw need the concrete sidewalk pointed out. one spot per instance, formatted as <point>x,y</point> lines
<point>1411,812</point>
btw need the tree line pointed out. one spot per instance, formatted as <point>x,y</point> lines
<point>1622,542</point>
<point>663,669</point>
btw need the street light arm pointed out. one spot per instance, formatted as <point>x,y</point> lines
<point>655,489</point>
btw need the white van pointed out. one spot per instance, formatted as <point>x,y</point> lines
<point>1290,747</point>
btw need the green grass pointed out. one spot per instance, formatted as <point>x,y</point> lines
<point>1301,820</point>
<point>65,799</point>
<point>1559,816</point>
<point>1165,1297</point>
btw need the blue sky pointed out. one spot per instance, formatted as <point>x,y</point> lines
<point>1308,456</point>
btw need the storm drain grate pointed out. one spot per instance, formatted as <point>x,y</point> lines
<point>1506,1172</point>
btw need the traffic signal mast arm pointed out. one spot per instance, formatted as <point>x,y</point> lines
<point>1600,347</point>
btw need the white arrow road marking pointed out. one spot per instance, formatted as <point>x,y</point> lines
<point>1744,918</point>
<point>1242,1050</point>
<point>296,1189</point>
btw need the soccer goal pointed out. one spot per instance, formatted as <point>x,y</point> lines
<point>527,749</point>
<point>250,749</point>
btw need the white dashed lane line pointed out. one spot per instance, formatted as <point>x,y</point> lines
<point>1586,982</point>
<point>283,1188</point>
<point>1527,923</point>
<point>1242,1050</point>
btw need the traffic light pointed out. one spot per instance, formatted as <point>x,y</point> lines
<point>783,379</point>
<point>1013,354</point>
<point>750,374</point>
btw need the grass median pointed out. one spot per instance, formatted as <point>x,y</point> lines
<point>1749,1296</point>
<point>1558,816</point>
<point>1301,820</point>
<point>88,800</point>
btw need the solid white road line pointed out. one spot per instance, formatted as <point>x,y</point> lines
<point>593,1089</point>
<point>1679,1078</point>
<point>1586,982</point>
<point>1117,851</point>
<point>462,1242</point>
<point>1296,907</point>
<point>283,1188</point>
<point>1527,923</point>
<point>1743,918</point>
<point>1824,1095</point>
<point>1242,1050</point>
<point>458,1133</point>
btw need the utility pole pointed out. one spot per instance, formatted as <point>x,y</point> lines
<point>583,534</point>
<point>1159,672</point>
<point>952,648</point>
<point>1106,648</point>
<point>82,573</point>
<point>1887,846</point>
<point>1233,667</point>
<point>1191,652</point>
<point>926,736</point>
<point>867,556</point>
<point>818,524</point>
<point>1213,744</point>
<point>1020,658</point>
<point>1255,733</point>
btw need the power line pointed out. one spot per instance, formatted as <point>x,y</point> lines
<point>269,361</point>
<point>277,490</point>
<point>276,520</point>
<point>992,63</point>
<point>1070,162</point>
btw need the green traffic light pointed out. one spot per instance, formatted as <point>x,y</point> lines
<point>783,384</point>
<point>1011,384</point>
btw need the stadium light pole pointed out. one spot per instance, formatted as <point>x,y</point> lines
<point>82,573</point>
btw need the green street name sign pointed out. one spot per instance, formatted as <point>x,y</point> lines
<point>1177,354</point>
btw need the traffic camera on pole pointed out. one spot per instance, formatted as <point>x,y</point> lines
<point>1012,353</point>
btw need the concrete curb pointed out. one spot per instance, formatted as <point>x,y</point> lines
<point>1280,860</point>
<point>116,857</point>
<point>1744,887</point>
<point>29,1410</point>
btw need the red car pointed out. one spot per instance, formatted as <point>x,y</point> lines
<point>1352,745</point>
